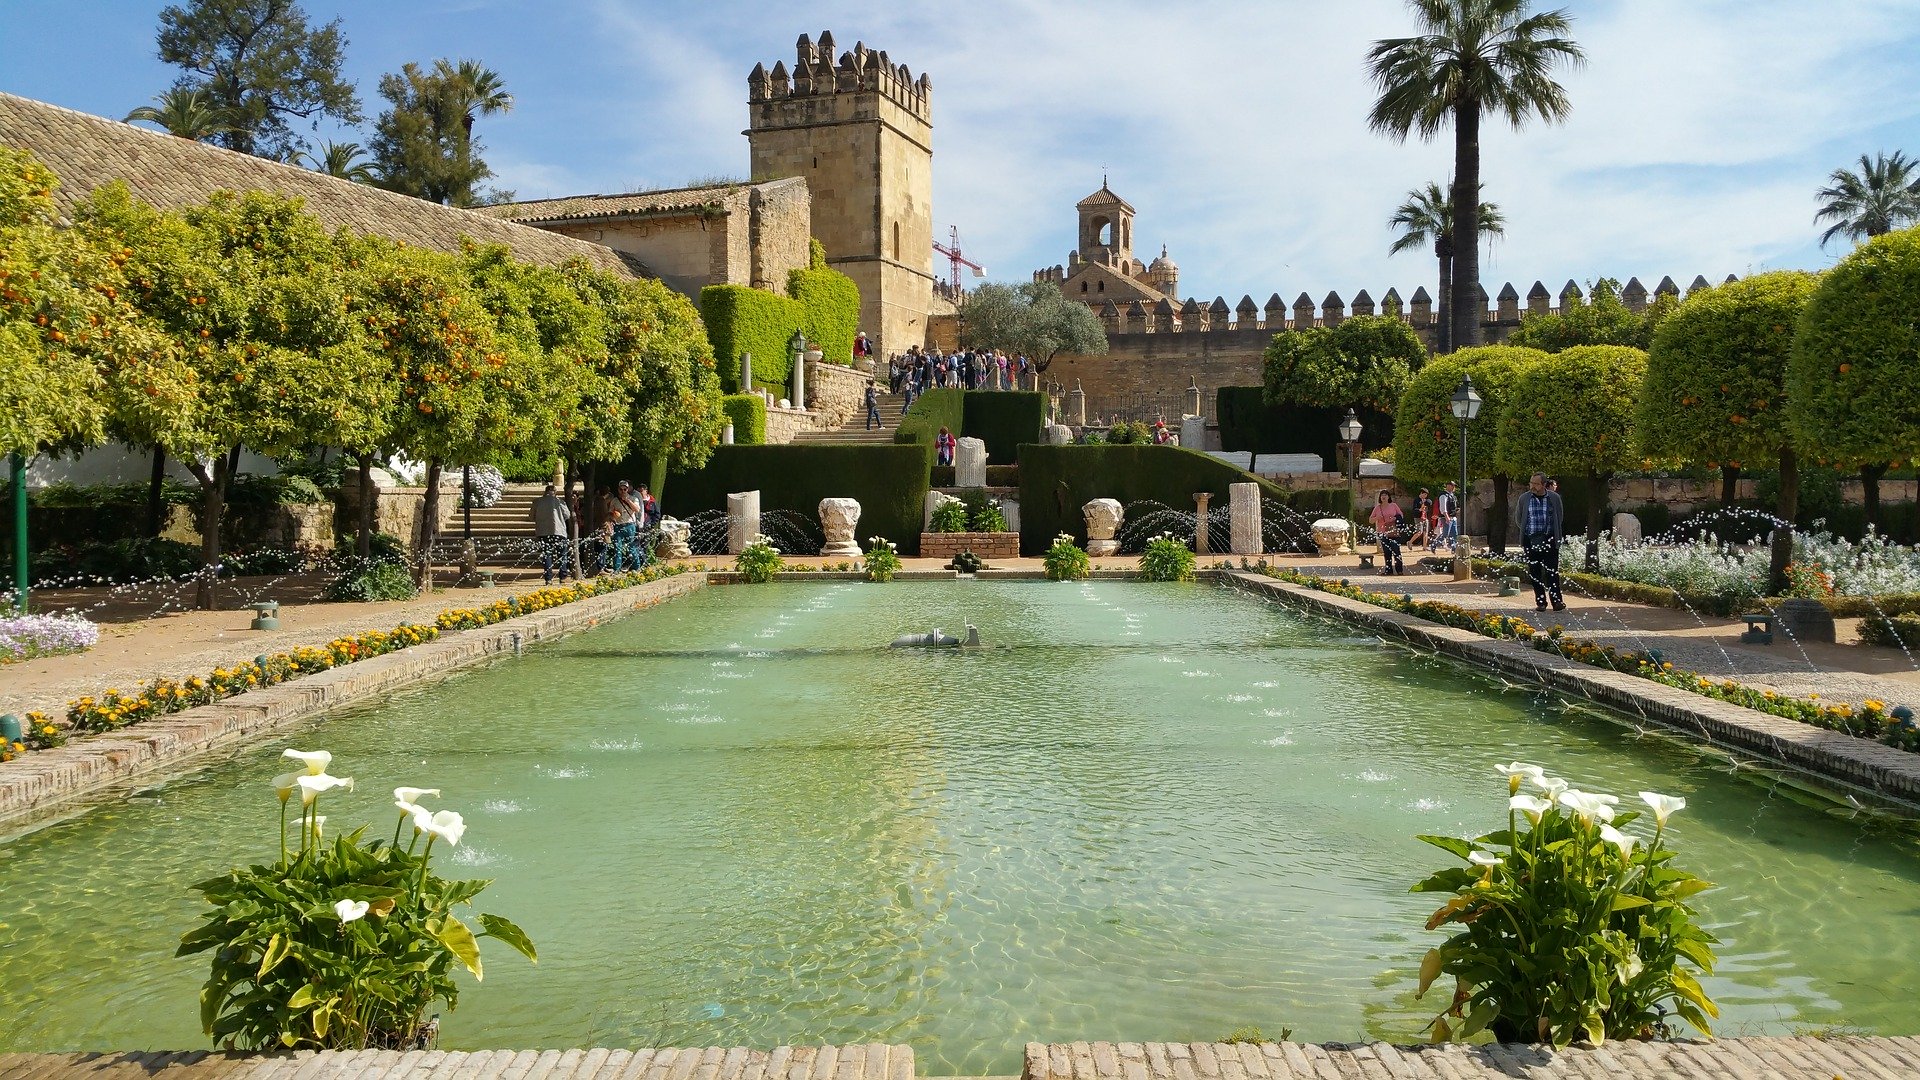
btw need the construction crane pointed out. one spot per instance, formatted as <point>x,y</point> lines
<point>951,249</point>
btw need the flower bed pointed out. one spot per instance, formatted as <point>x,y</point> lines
<point>25,637</point>
<point>1870,719</point>
<point>113,709</point>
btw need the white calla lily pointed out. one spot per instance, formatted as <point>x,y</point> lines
<point>1551,785</point>
<point>1530,805</point>
<point>319,822</point>
<point>1589,807</point>
<point>1663,806</point>
<point>286,784</point>
<point>316,761</point>
<point>1517,771</point>
<point>313,785</point>
<point>445,825</point>
<point>1618,839</point>
<point>349,910</point>
<point>408,809</point>
<point>1483,858</point>
<point>413,794</point>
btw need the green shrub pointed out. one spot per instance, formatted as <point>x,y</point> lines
<point>1003,419</point>
<point>949,517</point>
<point>1166,559</point>
<point>830,310</point>
<point>1056,481</point>
<point>988,518</point>
<point>1567,929</point>
<point>371,580</point>
<point>272,491</point>
<point>117,562</point>
<point>748,414</point>
<point>759,561</point>
<point>1900,631</point>
<point>381,545</point>
<point>889,482</point>
<point>1129,433</point>
<point>1065,562</point>
<point>746,320</point>
<point>261,561</point>
<point>882,559</point>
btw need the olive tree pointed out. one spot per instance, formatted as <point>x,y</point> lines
<point>1572,413</point>
<point>1716,385</point>
<point>1853,383</point>
<point>1426,446</point>
<point>1033,319</point>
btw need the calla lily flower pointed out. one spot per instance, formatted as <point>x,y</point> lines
<point>1663,806</point>
<point>412,795</point>
<point>1551,785</point>
<point>1483,858</point>
<point>349,910</point>
<point>408,809</point>
<point>445,825</point>
<point>314,785</point>
<point>1588,806</point>
<point>286,784</point>
<point>1516,771</point>
<point>1618,839</point>
<point>1529,805</point>
<point>316,761</point>
<point>319,820</point>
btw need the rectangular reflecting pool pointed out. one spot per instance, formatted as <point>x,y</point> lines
<point>1141,812</point>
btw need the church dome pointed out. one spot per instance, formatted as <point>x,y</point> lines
<point>1161,263</point>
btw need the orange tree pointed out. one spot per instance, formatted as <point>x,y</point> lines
<point>1853,384</point>
<point>249,291</point>
<point>1716,384</point>
<point>1426,446</point>
<point>1572,413</point>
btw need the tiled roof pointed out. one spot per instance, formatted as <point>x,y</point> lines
<point>86,151</point>
<point>588,207</point>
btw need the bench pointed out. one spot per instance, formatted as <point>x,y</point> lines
<point>1759,629</point>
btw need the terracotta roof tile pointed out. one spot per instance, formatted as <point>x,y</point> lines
<point>587,207</point>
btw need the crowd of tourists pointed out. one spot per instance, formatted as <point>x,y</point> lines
<point>1435,526</point>
<point>915,371</point>
<point>617,530</point>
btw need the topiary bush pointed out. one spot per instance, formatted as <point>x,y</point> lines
<point>741,319</point>
<point>1003,419</point>
<point>830,310</point>
<point>370,580</point>
<point>1056,481</point>
<point>1853,382</point>
<point>889,481</point>
<point>748,415</point>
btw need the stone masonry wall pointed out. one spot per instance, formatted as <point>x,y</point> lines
<point>836,392</point>
<point>1004,545</point>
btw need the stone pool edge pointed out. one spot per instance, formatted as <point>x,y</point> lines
<point>47,785</point>
<point>1829,756</point>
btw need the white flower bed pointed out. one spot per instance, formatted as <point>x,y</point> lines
<point>1873,567</point>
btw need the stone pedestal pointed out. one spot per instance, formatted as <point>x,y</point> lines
<point>1193,433</point>
<point>726,435</point>
<point>1077,406</point>
<point>838,519</point>
<point>1193,398</point>
<point>674,535</point>
<point>743,520</point>
<point>1243,504</point>
<point>970,463</point>
<point>1330,535</point>
<point>1103,520</point>
<point>1200,500</point>
<point>1626,528</point>
<point>1059,435</point>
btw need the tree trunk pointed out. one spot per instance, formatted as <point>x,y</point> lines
<point>568,472</point>
<point>1497,515</point>
<point>1596,511</point>
<point>213,497</point>
<point>363,529</point>
<point>1788,506</point>
<point>1729,484</point>
<point>1443,328</point>
<point>1870,491</point>
<point>156,509</point>
<point>429,528</point>
<point>1467,309</point>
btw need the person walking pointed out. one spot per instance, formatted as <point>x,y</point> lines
<point>1542,525</point>
<point>1422,520</point>
<point>943,445</point>
<point>873,407</point>
<point>550,517</point>
<point>626,528</point>
<point>1447,511</point>
<point>1386,518</point>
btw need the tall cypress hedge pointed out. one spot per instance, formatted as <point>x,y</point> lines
<point>888,481</point>
<point>748,414</point>
<point>932,411</point>
<point>1249,423</point>
<point>745,320</point>
<point>1004,419</point>
<point>830,311</point>
<point>1056,481</point>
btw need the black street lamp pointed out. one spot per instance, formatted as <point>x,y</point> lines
<point>1466,404</point>
<point>1350,433</point>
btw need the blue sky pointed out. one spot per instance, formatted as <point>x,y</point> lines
<point>1701,128</point>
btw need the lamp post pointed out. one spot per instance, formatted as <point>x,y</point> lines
<point>19,467</point>
<point>797,348</point>
<point>1466,406</point>
<point>1350,432</point>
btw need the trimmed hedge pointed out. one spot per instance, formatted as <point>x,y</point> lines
<point>746,320</point>
<point>748,414</point>
<point>997,476</point>
<point>889,482</point>
<point>932,411</point>
<point>830,311</point>
<point>1056,481</point>
<point>1004,419</point>
<point>1901,631</point>
<point>1248,423</point>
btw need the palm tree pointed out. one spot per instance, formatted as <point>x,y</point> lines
<point>1427,217</point>
<point>475,90</point>
<point>1473,56</point>
<point>188,114</point>
<point>1881,197</point>
<point>341,160</point>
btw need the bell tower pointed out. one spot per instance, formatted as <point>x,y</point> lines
<point>860,131</point>
<point>1106,229</point>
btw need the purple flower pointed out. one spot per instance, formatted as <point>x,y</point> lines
<point>23,637</point>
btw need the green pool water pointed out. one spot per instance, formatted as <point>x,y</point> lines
<point>1144,812</point>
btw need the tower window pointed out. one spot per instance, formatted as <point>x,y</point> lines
<point>896,241</point>
<point>1102,288</point>
<point>1083,286</point>
<point>816,161</point>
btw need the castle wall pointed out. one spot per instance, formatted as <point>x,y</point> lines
<point>781,226</point>
<point>688,251</point>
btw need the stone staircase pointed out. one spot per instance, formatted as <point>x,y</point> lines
<point>855,429</point>
<point>503,532</point>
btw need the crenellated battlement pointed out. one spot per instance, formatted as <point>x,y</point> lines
<point>1418,310</point>
<point>860,70</point>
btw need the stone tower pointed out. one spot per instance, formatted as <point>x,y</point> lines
<point>860,131</point>
<point>1106,229</point>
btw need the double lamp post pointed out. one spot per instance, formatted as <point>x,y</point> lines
<point>1465,405</point>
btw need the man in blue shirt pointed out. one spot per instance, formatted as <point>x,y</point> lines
<point>1541,529</point>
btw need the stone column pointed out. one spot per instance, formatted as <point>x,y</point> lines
<point>970,463</point>
<point>838,519</point>
<point>1103,520</point>
<point>1200,500</point>
<point>1193,393</point>
<point>746,373</point>
<point>1243,503</point>
<point>1076,406</point>
<point>799,392</point>
<point>743,520</point>
<point>726,435</point>
<point>1193,432</point>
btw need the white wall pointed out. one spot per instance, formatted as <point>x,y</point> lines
<point>118,465</point>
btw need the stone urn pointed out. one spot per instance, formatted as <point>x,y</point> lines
<point>838,520</point>
<point>1103,520</point>
<point>1330,535</point>
<point>1804,620</point>
<point>674,537</point>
